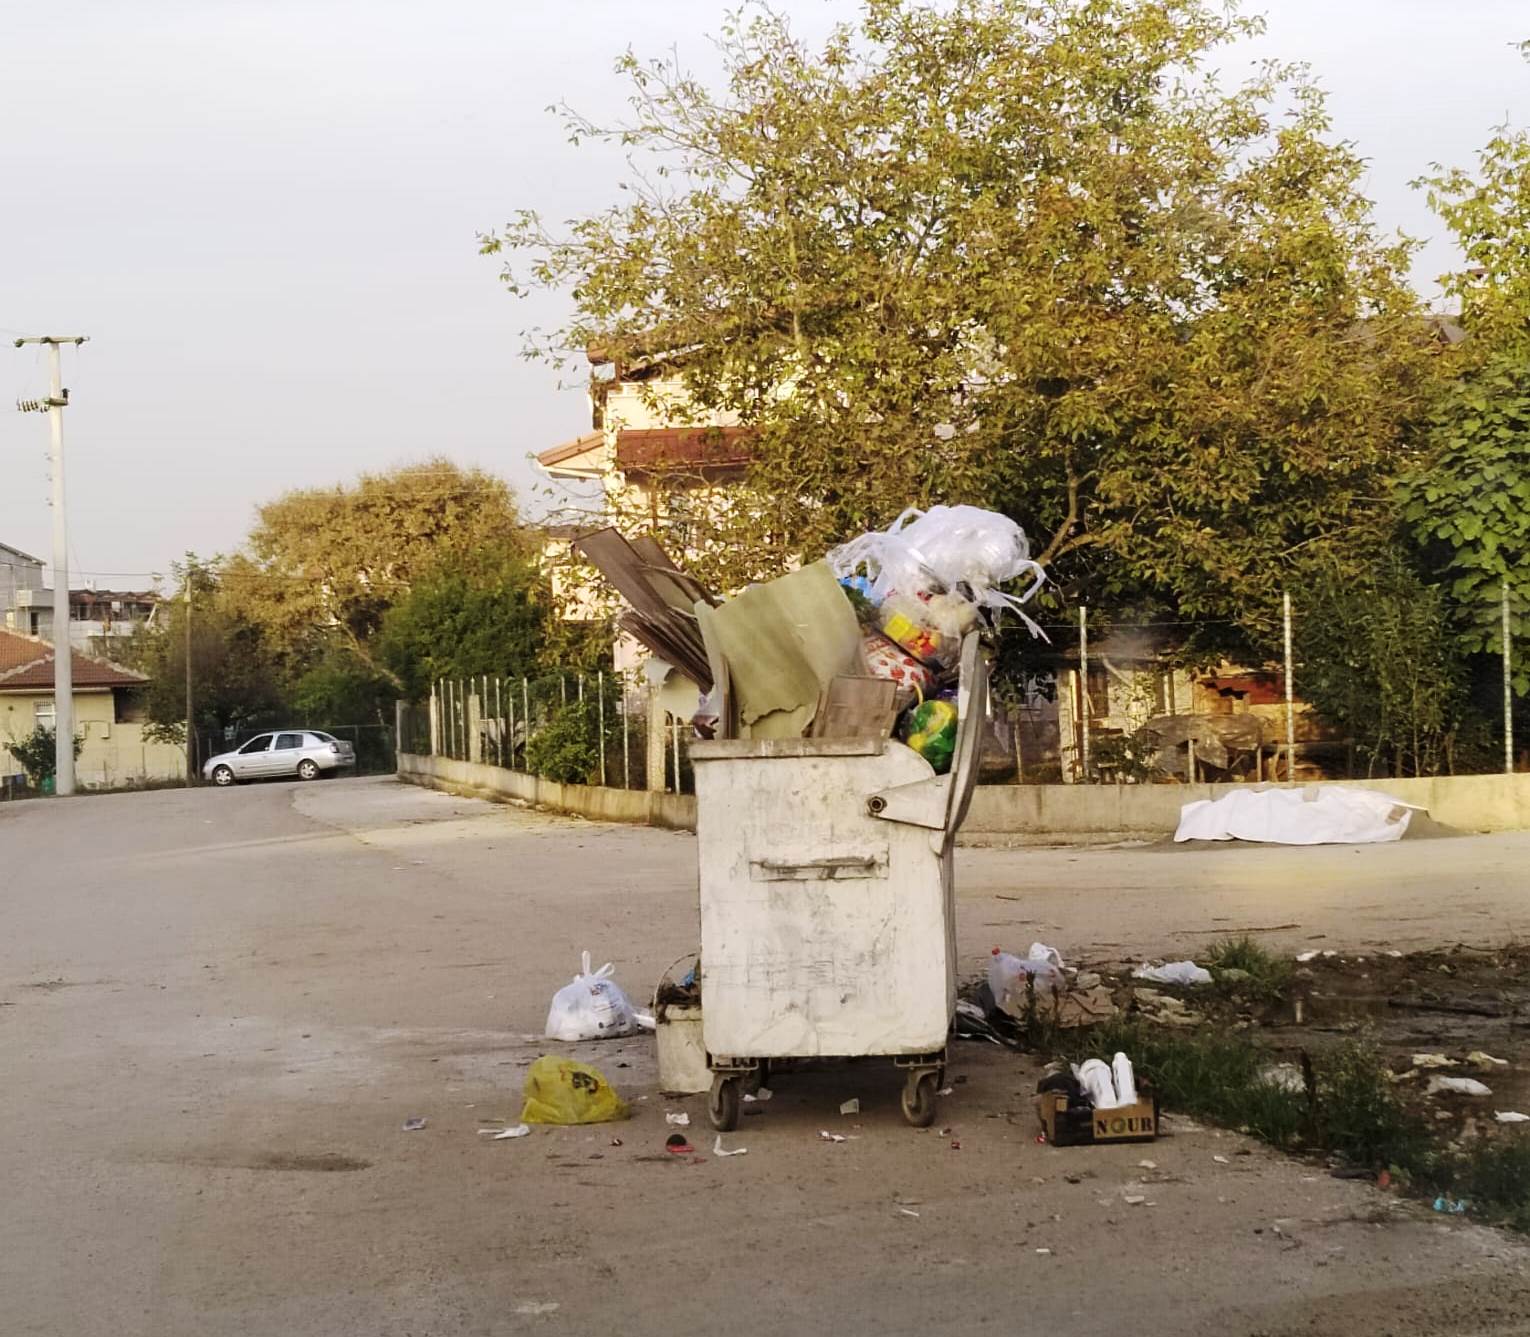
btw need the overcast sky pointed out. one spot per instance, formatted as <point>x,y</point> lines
<point>263,212</point>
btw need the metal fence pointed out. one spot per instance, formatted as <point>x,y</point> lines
<point>1096,703</point>
<point>586,728</point>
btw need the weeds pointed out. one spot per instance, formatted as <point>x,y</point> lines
<point>1211,1074</point>
<point>1494,1178</point>
<point>1358,1115</point>
<point>1243,966</point>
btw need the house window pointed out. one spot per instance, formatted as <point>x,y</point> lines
<point>43,713</point>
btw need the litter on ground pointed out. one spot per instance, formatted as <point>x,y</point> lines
<point>1174,972</point>
<point>1457,1086</point>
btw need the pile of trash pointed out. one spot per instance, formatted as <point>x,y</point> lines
<point>866,642</point>
<point>1036,987</point>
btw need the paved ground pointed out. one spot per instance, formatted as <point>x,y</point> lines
<point>218,1008</point>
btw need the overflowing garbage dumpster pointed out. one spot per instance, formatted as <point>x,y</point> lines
<point>827,901</point>
<point>839,711</point>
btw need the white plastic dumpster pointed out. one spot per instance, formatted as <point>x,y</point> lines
<point>827,901</point>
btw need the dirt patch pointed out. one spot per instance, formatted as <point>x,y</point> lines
<point>314,1162</point>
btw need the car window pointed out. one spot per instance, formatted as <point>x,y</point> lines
<point>287,741</point>
<point>257,744</point>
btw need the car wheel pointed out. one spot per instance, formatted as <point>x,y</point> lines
<point>222,776</point>
<point>308,769</point>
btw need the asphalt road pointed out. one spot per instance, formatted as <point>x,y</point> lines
<point>217,1009</point>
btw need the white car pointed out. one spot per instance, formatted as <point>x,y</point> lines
<point>305,753</point>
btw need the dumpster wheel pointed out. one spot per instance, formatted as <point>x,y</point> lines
<point>918,1098</point>
<point>723,1103</point>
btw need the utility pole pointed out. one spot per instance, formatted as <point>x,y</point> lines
<point>1508,687</point>
<point>191,733</point>
<point>1285,612</point>
<point>63,667</point>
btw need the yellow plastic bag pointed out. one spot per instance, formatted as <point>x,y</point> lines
<point>562,1090</point>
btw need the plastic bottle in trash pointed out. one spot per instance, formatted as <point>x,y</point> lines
<point>1125,1079</point>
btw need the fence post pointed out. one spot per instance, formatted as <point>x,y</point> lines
<point>600,709</point>
<point>512,725</point>
<point>435,724</point>
<point>674,725</point>
<point>1285,610</point>
<point>626,737</point>
<point>1083,687</point>
<point>1508,689</point>
<point>526,711</point>
<point>581,688</point>
<point>563,688</point>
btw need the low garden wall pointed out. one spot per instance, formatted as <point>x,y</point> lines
<point>1044,814</point>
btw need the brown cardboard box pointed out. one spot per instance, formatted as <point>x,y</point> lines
<point>1083,1125</point>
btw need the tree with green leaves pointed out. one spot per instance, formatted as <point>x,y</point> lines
<point>325,565</point>
<point>1021,253</point>
<point>471,613</point>
<point>1468,502</point>
<point>234,673</point>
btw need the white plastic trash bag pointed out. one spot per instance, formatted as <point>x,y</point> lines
<point>944,549</point>
<point>590,1007</point>
<point>1312,815</point>
<point>1174,972</point>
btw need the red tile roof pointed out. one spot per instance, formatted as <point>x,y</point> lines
<point>26,665</point>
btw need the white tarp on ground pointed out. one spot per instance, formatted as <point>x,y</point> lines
<point>1312,815</point>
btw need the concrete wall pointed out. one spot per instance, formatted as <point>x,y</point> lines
<point>677,811</point>
<point>1041,813</point>
<point>114,753</point>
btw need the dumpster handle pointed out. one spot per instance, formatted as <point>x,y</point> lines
<point>821,869</point>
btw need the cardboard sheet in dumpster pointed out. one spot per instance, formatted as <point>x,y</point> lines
<point>784,641</point>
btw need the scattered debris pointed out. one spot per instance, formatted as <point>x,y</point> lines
<point>1510,1116</point>
<point>1284,1077</point>
<point>1134,1199</point>
<point>764,1093</point>
<point>1147,1165</point>
<point>830,1137</point>
<point>1457,1086</point>
<point>1221,1160</point>
<point>944,1091</point>
<point>1311,955</point>
<point>676,1145</point>
<point>717,1149</point>
<point>1484,1060</point>
<point>904,1211</point>
<point>1174,972</point>
<point>1453,1206</point>
<point>681,1120</point>
<point>851,1107</point>
<point>499,1135</point>
<point>1432,1061</point>
<point>414,1124</point>
<point>537,1307</point>
<point>1047,1253</point>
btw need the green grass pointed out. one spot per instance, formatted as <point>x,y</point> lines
<point>1352,1110</point>
<point>1493,1177</point>
<point>1269,975</point>
<point>1209,1073</point>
